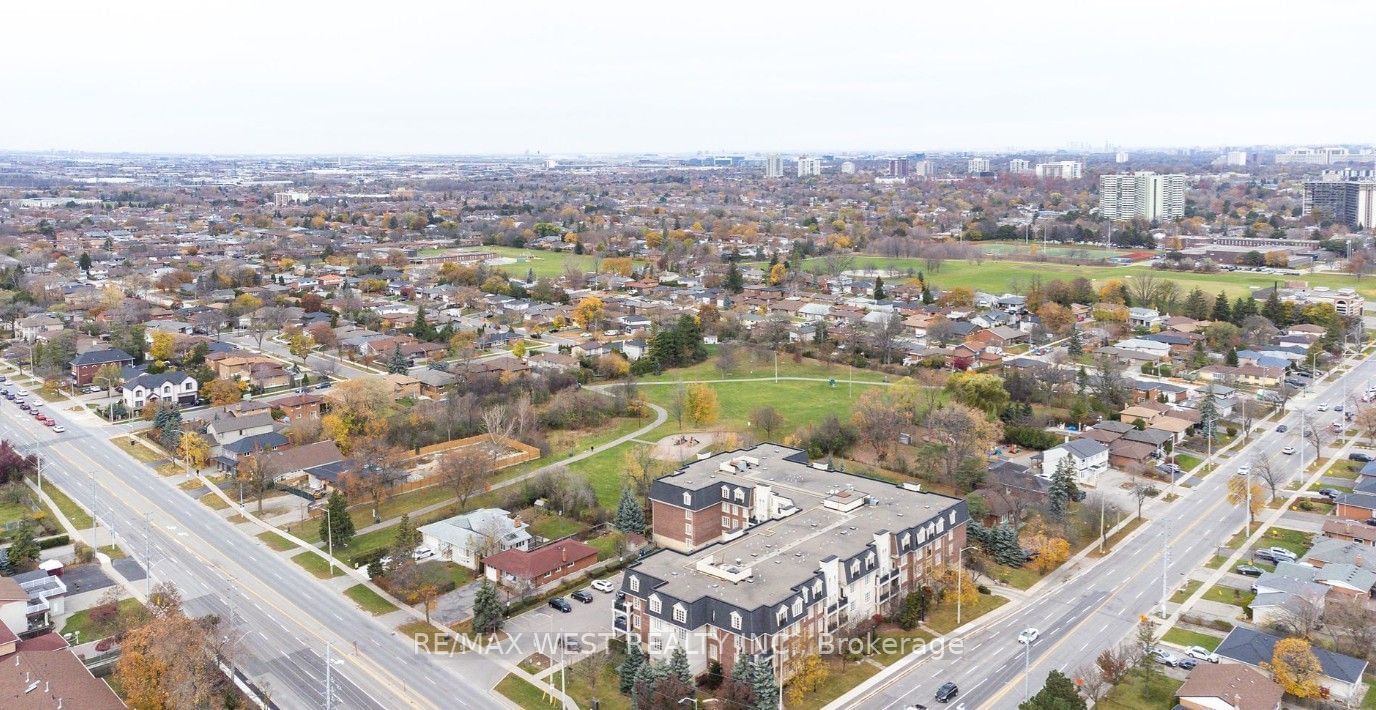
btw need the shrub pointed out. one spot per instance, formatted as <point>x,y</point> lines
<point>48,543</point>
<point>1030,437</point>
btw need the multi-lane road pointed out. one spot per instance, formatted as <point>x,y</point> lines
<point>1101,605</point>
<point>281,618</point>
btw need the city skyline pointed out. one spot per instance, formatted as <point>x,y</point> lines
<point>263,79</point>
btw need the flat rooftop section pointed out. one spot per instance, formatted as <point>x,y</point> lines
<point>782,553</point>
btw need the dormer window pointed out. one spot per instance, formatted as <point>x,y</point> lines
<point>740,494</point>
<point>855,567</point>
<point>781,615</point>
<point>726,491</point>
<point>736,620</point>
<point>797,607</point>
<point>635,583</point>
<point>680,614</point>
<point>817,588</point>
<point>655,604</point>
<point>687,498</point>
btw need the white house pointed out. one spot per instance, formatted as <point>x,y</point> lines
<point>466,539</point>
<point>174,387</point>
<point>1147,318</point>
<point>1088,459</point>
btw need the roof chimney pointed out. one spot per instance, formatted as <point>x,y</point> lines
<point>563,553</point>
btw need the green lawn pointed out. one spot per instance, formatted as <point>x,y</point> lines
<point>1229,595</point>
<point>905,642</point>
<point>942,617</point>
<point>748,366</point>
<point>798,403</point>
<point>1292,540</point>
<point>370,601</point>
<point>1346,470</point>
<point>276,542</point>
<point>596,677</point>
<point>1183,593</point>
<point>1187,461</point>
<point>997,276</point>
<point>1136,693</point>
<point>316,565</point>
<point>137,449</point>
<point>554,527</point>
<point>75,513</point>
<point>1369,701</point>
<point>543,263</point>
<point>1016,577</point>
<point>606,545</point>
<point>1187,638</point>
<point>523,694</point>
<point>81,620</point>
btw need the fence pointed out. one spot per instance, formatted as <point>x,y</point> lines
<point>520,452</point>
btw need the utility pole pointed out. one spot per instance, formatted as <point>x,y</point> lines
<point>1026,667</point>
<point>329,534</point>
<point>1165,561</point>
<point>1102,532</point>
<point>329,676</point>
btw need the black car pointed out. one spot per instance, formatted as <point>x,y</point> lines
<point>946,692</point>
<point>1359,456</point>
<point>1330,493</point>
<point>1249,570</point>
<point>1282,428</point>
<point>1371,521</point>
<point>582,595</point>
<point>561,604</point>
<point>1186,663</point>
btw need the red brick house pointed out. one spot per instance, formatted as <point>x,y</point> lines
<point>538,567</point>
<point>85,365</point>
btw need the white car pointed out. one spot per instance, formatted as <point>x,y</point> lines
<point>23,393</point>
<point>602,585</point>
<point>1288,450</point>
<point>59,429</point>
<point>1029,635</point>
<point>1244,469</point>
<point>1202,654</point>
<point>421,553</point>
<point>1323,407</point>
<point>1164,657</point>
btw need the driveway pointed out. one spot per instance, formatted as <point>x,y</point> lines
<point>541,628</point>
<point>85,578</point>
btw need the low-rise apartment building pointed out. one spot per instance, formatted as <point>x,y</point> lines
<point>767,553</point>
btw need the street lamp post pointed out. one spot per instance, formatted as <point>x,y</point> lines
<point>960,577</point>
<point>329,535</point>
<point>1026,668</point>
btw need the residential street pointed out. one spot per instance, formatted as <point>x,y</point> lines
<point>1087,610</point>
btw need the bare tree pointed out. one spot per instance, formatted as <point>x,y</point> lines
<point>726,359</point>
<point>1354,627</point>
<point>1301,616</point>
<point>1092,682</point>
<point>1265,471</point>
<point>678,403</point>
<point>1316,434</point>
<point>259,472</point>
<point>498,424</point>
<point>767,420</point>
<point>884,334</point>
<point>266,320</point>
<point>465,471</point>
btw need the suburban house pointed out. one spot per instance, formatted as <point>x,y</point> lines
<point>531,569</point>
<point>1088,458</point>
<point>1349,530</point>
<point>173,387</point>
<point>434,383</point>
<point>42,671</point>
<point>37,327</point>
<point>298,462</point>
<point>1356,506</point>
<point>85,365</point>
<point>1228,686</point>
<point>1340,674</point>
<point>828,549</point>
<point>231,428</point>
<point>302,406</point>
<point>466,539</point>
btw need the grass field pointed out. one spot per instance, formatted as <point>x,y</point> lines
<point>543,263</point>
<point>316,565</point>
<point>749,366</point>
<point>942,617</point>
<point>838,681</point>
<point>370,601</point>
<point>1229,595</point>
<point>798,403</point>
<point>1187,638</point>
<point>1137,693</point>
<point>998,276</point>
<point>74,513</point>
<point>1185,590</point>
<point>523,694</point>
<point>276,542</point>
<point>81,620</point>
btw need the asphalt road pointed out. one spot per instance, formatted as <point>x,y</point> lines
<point>282,617</point>
<point>1100,607</point>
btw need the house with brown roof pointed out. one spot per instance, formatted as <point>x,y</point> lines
<point>296,461</point>
<point>1349,530</point>
<point>43,673</point>
<point>1231,686</point>
<point>521,569</point>
<point>302,406</point>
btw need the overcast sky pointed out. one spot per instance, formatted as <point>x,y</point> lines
<point>480,77</point>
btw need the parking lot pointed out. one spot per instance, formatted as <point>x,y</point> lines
<point>540,629</point>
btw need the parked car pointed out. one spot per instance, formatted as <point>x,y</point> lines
<point>23,393</point>
<point>1201,654</point>
<point>582,595</point>
<point>561,604</point>
<point>1330,493</point>
<point>1264,556</point>
<point>1249,570</point>
<point>1289,450</point>
<point>421,553</point>
<point>947,692</point>
<point>1029,635</point>
<point>1164,657</point>
<point>1280,553</point>
<point>59,429</point>
<point>1186,664</point>
<point>1282,428</point>
<point>571,643</point>
<point>1360,456</point>
<point>1371,521</point>
<point>602,585</point>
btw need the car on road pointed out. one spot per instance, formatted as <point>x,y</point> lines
<point>1244,469</point>
<point>1322,407</point>
<point>23,393</point>
<point>1164,657</point>
<point>582,595</point>
<point>602,585</point>
<point>1187,664</point>
<point>1330,493</point>
<point>1249,570</point>
<point>561,604</point>
<point>1200,653</point>
<point>1029,635</point>
<point>1360,456</point>
<point>947,692</point>
<point>1337,407</point>
<point>59,429</point>
<point>1288,450</point>
<point>1282,428</point>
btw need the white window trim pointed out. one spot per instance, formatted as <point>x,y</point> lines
<point>680,614</point>
<point>655,604</point>
<point>736,620</point>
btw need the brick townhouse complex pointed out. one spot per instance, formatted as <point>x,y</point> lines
<point>765,552</point>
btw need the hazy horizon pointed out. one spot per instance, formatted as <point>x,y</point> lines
<point>257,78</point>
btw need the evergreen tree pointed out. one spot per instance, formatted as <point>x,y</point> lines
<point>408,537</point>
<point>337,526</point>
<point>23,552</point>
<point>1059,693</point>
<point>1231,357</point>
<point>420,327</point>
<point>629,667</point>
<point>84,262</point>
<point>765,687</point>
<point>1221,310</point>
<point>734,283</point>
<point>642,690</point>
<point>927,298</point>
<point>1076,346</point>
<point>1273,310</point>
<point>678,665</point>
<point>1197,305</point>
<point>630,517</point>
<point>1003,546</point>
<point>1208,411</point>
<point>1062,490</point>
<point>168,422</point>
<point>879,288</point>
<point>744,669</point>
<point>398,365</point>
<point>488,610</point>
